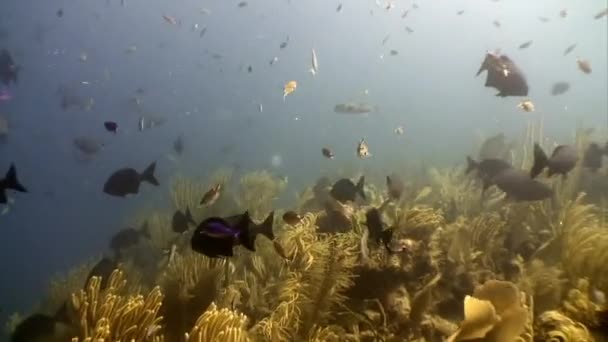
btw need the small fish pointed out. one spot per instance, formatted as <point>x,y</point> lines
<point>394,52</point>
<point>10,182</point>
<point>131,49</point>
<point>273,60</point>
<point>289,88</point>
<point>242,4</point>
<point>526,106</point>
<point>327,153</point>
<point>601,14</point>
<point>250,69</point>
<point>543,19</point>
<point>345,190</point>
<point>36,327</point>
<point>405,12</point>
<point>496,23</point>
<point>126,181</point>
<point>409,30</point>
<point>561,162</point>
<point>127,238</point>
<point>461,12</point>
<point>399,130</point>
<point>59,13</point>
<point>292,218</point>
<point>525,45</point>
<point>111,126</point>
<point>314,65</point>
<point>211,196</point>
<point>583,65</point>
<point>339,8</point>
<point>353,108</point>
<point>563,13</point>
<point>283,45</point>
<point>169,19</point>
<point>217,237</point>
<point>415,6</point>
<point>386,39</point>
<point>560,88</point>
<point>87,146</point>
<point>569,49</point>
<point>178,145</point>
<point>203,31</point>
<point>593,157</point>
<point>395,186</point>
<point>363,149</point>
<point>181,221</point>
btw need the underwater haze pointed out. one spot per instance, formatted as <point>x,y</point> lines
<point>222,92</point>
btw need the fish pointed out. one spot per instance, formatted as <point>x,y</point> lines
<point>327,153</point>
<point>242,4</point>
<point>88,146</point>
<point>10,182</point>
<point>363,149</point>
<point>526,106</point>
<point>339,8</point>
<point>211,196</point>
<point>583,65</point>
<point>518,186</point>
<point>496,23</point>
<point>525,45</point>
<point>217,237</point>
<point>353,108</point>
<point>260,108</point>
<point>314,66</point>
<point>345,190</point>
<point>395,187</point>
<point>461,12</point>
<point>409,29</point>
<point>126,181</point>
<point>9,71</point>
<point>601,14</point>
<point>563,13</point>
<point>386,39</point>
<point>292,218</point>
<point>487,169</point>
<point>561,162</point>
<point>593,157</point>
<point>404,14</point>
<point>494,147</point>
<point>178,145</point>
<point>203,31</point>
<point>111,126</point>
<point>40,327</point>
<point>399,130</point>
<point>59,13</point>
<point>169,19</point>
<point>544,19</point>
<point>569,49</point>
<point>289,88</point>
<point>394,52</point>
<point>273,60</point>
<point>503,75</point>
<point>283,45</point>
<point>128,237</point>
<point>103,269</point>
<point>181,221</point>
<point>560,88</point>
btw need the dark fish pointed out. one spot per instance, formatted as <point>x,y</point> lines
<point>11,182</point>
<point>601,14</point>
<point>461,12</point>
<point>327,153</point>
<point>394,52</point>
<point>503,75</point>
<point>487,169</point>
<point>405,12</point>
<point>494,147</point>
<point>126,181</point>
<point>376,230</point>
<point>593,157</point>
<point>181,221</point>
<point>111,126</point>
<point>37,327</point>
<point>128,237</point>
<point>9,71</point>
<point>250,69</point>
<point>216,237</point>
<point>243,4</point>
<point>409,30</point>
<point>203,31</point>
<point>395,186</point>
<point>59,13</point>
<point>496,23</point>
<point>339,8</point>
<point>525,45</point>
<point>345,190</point>
<point>519,186</point>
<point>103,269</point>
<point>283,45</point>
<point>559,88</point>
<point>562,160</point>
<point>87,146</point>
<point>178,145</point>
<point>563,13</point>
<point>211,196</point>
<point>292,218</point>
<point>569,49</point>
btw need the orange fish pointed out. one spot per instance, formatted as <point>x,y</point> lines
<point>170,20</point>
<point>289,88</point>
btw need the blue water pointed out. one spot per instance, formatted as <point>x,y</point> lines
<point>429,88</point>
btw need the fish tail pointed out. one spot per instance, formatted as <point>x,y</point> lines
<point>265,228</point>
<point>246,236</point>
<point>360,185</point>
<point>11,181</point>
<point>148,175</point>
<point>471,165</point>
<point>540,161</point>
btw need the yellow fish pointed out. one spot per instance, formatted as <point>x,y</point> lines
<point>289,88</point>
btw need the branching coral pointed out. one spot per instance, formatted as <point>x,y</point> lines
<point>109,315</point>
<point>219,325</point>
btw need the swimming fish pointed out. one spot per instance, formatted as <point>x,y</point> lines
<point>217,237</point>
<point>345,190</point>
<point>126,181</point>
<point>111,126</point>
<point>339,8</point>
<point>593,156</point>
<point>487,169</point>
<point>87,146</point>
<point>563,13</point>
<point>363,149</point>
<point>394,52</point>
<point>40,327</point>
<point>518,186</point>
<point>559,88</point>
<point>525,45</point>
<point>289,88</point>
<point>601,14</point>
<point>583,65</point>
<point>103,268</point>
<point>211,196</point>
<point>395,186</point>
<point>169,19</point>
<point>399,130</point>
<point>243,4</point>
<point>327,153</point>
<point>494,147</point>
<point>353,108</point>
<point>128,237</point>
<point>9,71</point>
<point>273,60</point>
<point>561,162</point>
<point>181,221</point>
<point>314,69</point>
<point>569,49</point>
<point>409,29</point>
<point>503,75</point>
<point>526,106</point>
<point>10,182</point>
<point>292,218</point>
<point>544,19</point>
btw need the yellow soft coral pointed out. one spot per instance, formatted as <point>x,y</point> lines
<point>219,325</point>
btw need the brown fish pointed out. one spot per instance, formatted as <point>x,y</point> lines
<point>211,196</point>
<point>583,65</point>
<point>292,218</point>
<point>395,186</point>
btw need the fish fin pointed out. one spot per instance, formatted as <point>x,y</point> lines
<point>471,165</point>
<point>265,228</point>
<point>11,181</point>
<point>540,161</point>
<point>148,175</point>
<point>360,185</point>
<point>246,236</point>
